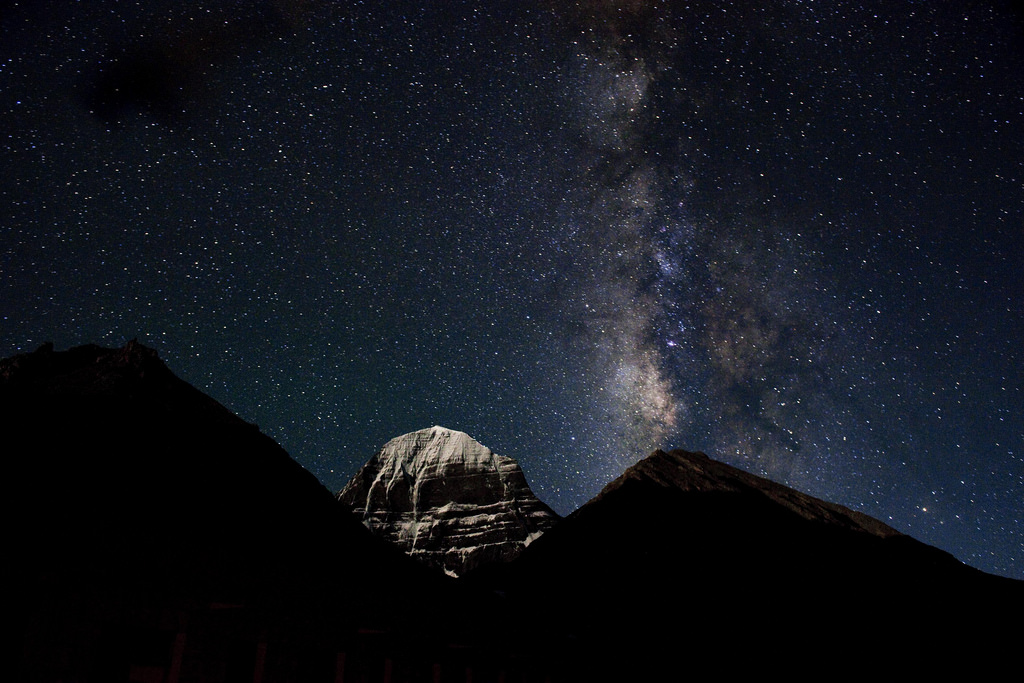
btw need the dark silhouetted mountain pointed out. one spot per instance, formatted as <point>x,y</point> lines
<point>683,557</point>
<point>116,457</point>
<point>156,536</point>
<point>447,501</point>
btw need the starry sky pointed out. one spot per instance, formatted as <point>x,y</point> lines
<point>791,236</point>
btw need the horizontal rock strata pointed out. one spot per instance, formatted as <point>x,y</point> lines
<point>447,500</point>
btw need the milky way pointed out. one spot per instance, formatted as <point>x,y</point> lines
<point>682,310</point>
<point>787,236</point>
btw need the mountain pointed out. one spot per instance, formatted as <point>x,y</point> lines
<point>114,456</point>
<point>447,500</point>
<point>696,473</point>
<point>153,535</point>
<point>684,557</point>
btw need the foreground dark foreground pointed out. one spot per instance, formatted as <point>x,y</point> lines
<point>156,538</point>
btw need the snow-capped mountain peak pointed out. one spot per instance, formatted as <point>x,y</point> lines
<point>448,500</point>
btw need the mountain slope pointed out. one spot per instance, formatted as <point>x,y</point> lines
<point>696,473</point>
<point>114,454</point>
<point>152,531</point>
<point>447,500</point>
<point>682,553</point>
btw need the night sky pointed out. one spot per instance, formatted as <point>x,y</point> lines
<point>791,237</point>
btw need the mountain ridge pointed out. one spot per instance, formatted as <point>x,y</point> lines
<point>696,471</point>
<point>150,516</point>
<point>742,560</point>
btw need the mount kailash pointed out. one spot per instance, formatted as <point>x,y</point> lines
<point>447,500</point>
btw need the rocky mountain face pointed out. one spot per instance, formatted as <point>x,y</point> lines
<point>447,500</point>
